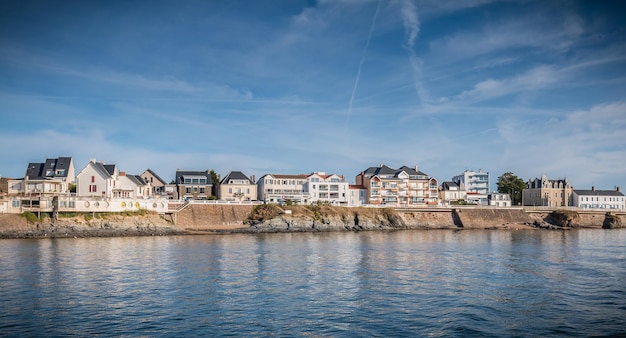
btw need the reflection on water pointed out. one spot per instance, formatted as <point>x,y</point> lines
<point>404,283</point>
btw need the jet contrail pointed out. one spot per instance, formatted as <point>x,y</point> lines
<point>358,73</point>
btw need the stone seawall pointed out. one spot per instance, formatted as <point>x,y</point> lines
<point>212,216</point>
<point>482,218</point>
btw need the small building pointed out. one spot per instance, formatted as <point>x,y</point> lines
<point>196,185</point>
<point>156,182</point>
<point>497,199</point>
<point>236,186</point>
<point>450,193</point>
<point>53,177</point>
<point>598,199</point>
<point>357,195</point>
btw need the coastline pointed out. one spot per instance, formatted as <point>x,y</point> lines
<point>276,219</point>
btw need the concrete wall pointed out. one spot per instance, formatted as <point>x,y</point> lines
<point>212,216</point>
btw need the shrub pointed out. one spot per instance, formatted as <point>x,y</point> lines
<point>30,217</point>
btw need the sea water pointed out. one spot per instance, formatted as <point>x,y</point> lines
<point>526,283</point>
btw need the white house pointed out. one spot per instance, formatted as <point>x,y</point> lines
<point>52,177</point>
<point>357,195</point>
<point>598,199</point>
<point>105,180</point>
<point>324,188</point>
<point>499,199</point>
<point>450,192</point>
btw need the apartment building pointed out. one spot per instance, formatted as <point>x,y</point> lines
<point>475,184</point>
<point>598,199</point>
<point>332,189</point>
<point>398,187</point>
<point>281,188</point>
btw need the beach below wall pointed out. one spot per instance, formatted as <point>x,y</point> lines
<point>223,219</point>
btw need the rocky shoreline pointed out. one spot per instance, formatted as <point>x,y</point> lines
<point>274,219</point>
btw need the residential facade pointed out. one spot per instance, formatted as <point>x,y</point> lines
<point>598,199</point>
<point>323,188</point>
<point>191,184</point>
<point>236,186</point>
<point>497,199</point>
<point>54,176</point>
<point>98,179</point>
<point>398,187</point>
<point>548,193</point>
<point>357,195</point>
<point>450,193</point>
<point>279,188</point>
<point>475,184</point>
<point>156,182</point>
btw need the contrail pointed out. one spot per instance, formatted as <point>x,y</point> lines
<point>358,73</point>
<point>412,29</point>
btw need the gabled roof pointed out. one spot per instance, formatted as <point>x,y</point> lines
<point>52,168</point>
<point>598,193</point>
<point>298,176</point>
<point>138,180</point>
<point>110,168</point>
<point>101,169</point>
<point>384,170</point>
<point>235,175</point>
<point>156,176</point>
<point>449,184</point>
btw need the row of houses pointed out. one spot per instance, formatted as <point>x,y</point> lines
<point>377,185</point>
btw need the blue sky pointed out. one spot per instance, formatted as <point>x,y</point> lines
<point>532,87</point>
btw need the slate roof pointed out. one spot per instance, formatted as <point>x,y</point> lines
<point>235,175</point>
<point>181,173</point>
<point>384,170</point>
<point>298,176</point>
<point>138,180</point>
<point>39,170</point>
<point>449,184</point>
<point>598,193</point>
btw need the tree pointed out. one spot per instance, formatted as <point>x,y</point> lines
<point>510,184</point>
<point>216,181</point>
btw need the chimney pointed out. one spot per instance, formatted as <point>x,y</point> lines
<point>416,168</point>
<point>593,188</point>
<point>122,173</point>
<point>617,188</point>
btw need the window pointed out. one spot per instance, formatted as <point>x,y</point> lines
<point>188,190</point>
<point>230,190</point>
<point>202,190</point>
<point>93,179</point>
<point>93,188</point>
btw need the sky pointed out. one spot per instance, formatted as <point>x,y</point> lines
<point>293,86</point>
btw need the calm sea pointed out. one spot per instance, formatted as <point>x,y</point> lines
<point>403,283</point>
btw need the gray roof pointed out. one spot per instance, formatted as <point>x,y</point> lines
<point>99,166</point>
<point>384,170</point>
<point>181,173</point>
<point>235,175</point>
<point>449,184</point>
<point>598,192</point>
<point>49,168</point>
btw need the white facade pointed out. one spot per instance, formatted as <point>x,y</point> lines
<point>357,195</point>
<point>324,188</point>
<point>278,188</point>
<point>499,200</point>
<point>100,180</point>
<point>598,199</point>
<point>475,184</point>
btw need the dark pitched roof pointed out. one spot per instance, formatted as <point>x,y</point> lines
<point>138,180</point>
<point>181,173</point>
<point>384,170</point>
<point>449,184</point>
<point>598,193</point>
<point>235,175</point>
<point>53,167</point>
<point>110,168</point>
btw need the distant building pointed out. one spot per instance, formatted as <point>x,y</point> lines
<point>49,178</point>
<point>236,186</point>
<point>98,179</point>
<point>598,199</point>
<point>499,199</point>
<point>547,193</point>
<point>398,187</point>
<point>280,188</point>
<point>156,182</point>
<point>193,184</point>
<point>475,184</point>
<point>450,192</point>
<point>357,195</point>
<point>332,189</point>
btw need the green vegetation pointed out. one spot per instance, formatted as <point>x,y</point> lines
<point>263,212</point>
<point>73,187</point>
<point>510,184</point>
<point>30,217</point>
